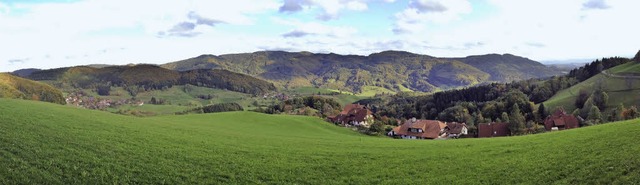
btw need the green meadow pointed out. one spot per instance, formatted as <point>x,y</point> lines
<point>43,143</point>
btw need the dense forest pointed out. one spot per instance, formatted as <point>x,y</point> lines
<point>224,79</point>
<point>310,105</point>
<point>220,107</point>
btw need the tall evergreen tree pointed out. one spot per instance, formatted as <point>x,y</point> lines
<point>542,111</point>
<point>516,120</point>
<point>600,99</point>
<point>582,98</point>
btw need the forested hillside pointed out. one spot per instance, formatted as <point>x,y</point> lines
<point>137,78</point>
<point>394,70</point>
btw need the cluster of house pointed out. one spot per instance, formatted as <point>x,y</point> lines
<point>278,96</point>
<point>359,115</point>
<point>80,99</point>
<point>559,120</point>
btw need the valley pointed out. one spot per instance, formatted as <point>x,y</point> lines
<point>148,130</point>
<point>319,92</point>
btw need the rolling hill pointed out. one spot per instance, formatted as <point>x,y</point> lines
<point>45,143</point>
<point>621,83</point>
<point>16,87</point>
<point>394,70</point>
<point>149,77</point>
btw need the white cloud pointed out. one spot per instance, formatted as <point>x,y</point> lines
<point>46,35</point>
<point>543,30</point>
<point>357,6</point>
<point>302,29</point>
<point>595,4</point>
<point>63,34</point>
<point>421,12</point>
<point>329,9</point>
<point>4,9</point>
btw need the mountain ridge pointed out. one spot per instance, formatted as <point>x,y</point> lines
<point>393,70</point>
<point>146,77</point>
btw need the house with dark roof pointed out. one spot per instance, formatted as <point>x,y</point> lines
<point>493,129</point>
<point>354,114</point>
<point>419,129</point>
<point>455,130</point>
<point>560,120</point>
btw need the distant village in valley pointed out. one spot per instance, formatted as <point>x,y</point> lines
<point>81,99</point>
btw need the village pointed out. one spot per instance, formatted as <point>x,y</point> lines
<point>81,99</point>
<point>356,115</point>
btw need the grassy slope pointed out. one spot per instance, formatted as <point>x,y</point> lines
<point>17,87</point>
<point>616,88</point>
<point>46,143</point>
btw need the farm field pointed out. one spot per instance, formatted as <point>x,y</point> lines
<point>179,98</point>
<point>43,143</point>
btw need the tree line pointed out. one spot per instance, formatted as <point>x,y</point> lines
<point>310,105</point>
<point>220,107</point>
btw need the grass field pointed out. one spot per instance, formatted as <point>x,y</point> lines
<point>42,143</point>
<point>179,100</point>
<point>370,91</point>
<point>343,97</point>
<point>620,90</point>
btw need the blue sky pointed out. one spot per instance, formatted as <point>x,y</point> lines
<point>59,33</point>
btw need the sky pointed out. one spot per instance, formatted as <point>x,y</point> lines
<point>60,33</point>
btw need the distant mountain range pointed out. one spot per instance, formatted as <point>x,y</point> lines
<point>395,70</point>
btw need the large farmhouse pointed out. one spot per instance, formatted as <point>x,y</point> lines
<point>428,129</point>
<point>560,120</point>
<point>354,114</point>
<point>419,129</point>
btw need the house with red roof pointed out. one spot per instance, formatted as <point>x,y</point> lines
<point>420,129</point>
<point>354,114</point>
